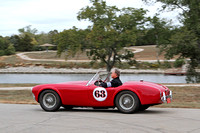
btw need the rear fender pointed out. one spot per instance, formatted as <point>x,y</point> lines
<point>126,89</point>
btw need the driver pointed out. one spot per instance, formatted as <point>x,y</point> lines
<point>115,82</point>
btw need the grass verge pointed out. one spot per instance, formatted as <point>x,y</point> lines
<point>16,97</point>
<point>17,85</point>
<point>184,97</point>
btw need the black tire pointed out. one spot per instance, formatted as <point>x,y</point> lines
<point>127,102</point>
<point>50,100</point>
<point>68,107</point>
<point>143,107</point>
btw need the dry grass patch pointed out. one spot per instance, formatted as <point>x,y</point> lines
<point>16,97</point>
<point>53,55</point>
<point>149,53</point>
<point>12,59</point>
<point>184,97</point>
<point>17,85</point>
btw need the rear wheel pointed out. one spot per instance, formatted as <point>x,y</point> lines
<point>49,100</point>
<point>127,102</point>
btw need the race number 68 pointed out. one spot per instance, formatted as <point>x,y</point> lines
<point>100,93</point>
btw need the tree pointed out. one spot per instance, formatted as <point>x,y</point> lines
<point>71,41</point>
<point>3,46</point>
<point>10,50</point>
<point>26,40</point>
<point>160,30</point>
<point>157,32</point>
<point>26,43</point>
<point>52,37</point>
<point>42,38</point>
<point>112,29</point>
<point>185,42</point>
<point>15,40</point>
<point>6,48</point>
<point>22,43</point>
<point>27,30</point>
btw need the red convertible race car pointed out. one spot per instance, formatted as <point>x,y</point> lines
<point>128,98</point>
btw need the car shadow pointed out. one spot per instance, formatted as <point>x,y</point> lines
<point>89,110</point>
<point>152,112</point>
<point>148,111</point>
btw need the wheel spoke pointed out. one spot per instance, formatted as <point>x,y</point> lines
<point>49,100</point>
<point>126,101</point>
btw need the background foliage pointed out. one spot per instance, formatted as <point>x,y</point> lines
<point>112,29</point>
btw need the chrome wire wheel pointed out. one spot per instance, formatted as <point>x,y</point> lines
<point>49,100</point>
<point>126,101</point>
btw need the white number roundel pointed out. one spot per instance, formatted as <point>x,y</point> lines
<point>100,94</point>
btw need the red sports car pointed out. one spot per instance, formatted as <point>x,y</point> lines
<point>128,98</point>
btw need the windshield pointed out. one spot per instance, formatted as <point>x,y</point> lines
<point>100,75</point>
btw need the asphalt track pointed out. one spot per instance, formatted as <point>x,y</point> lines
<point>16,118</point>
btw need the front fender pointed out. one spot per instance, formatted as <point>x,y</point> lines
<point>47,88</point>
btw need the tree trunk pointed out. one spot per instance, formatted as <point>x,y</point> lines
<point>108,68</point>
<point>199,50</point>
<point>157,50</point>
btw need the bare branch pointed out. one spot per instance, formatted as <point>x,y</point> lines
<point>180,7</point>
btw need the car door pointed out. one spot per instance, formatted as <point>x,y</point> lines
<point>100,97</point>
<point>76,95</point>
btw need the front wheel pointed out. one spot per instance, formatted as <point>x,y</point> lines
<point>49,100</point>
<point>127,102</point>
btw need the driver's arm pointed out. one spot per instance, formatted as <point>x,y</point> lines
<point>105,85</point>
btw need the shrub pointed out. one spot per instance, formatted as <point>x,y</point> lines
<point>166,64</point>
<point>95,65</point>
<point>154,65</point>
<point>123,65</point>
<point>10,50</point>
<point>179,63</point>
<point>1,52</point>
